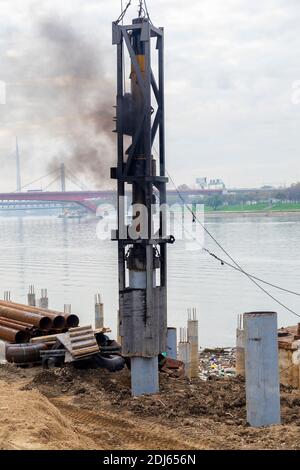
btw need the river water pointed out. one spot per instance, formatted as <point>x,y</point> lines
<point>67,258</point>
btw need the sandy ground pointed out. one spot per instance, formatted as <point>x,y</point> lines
<point>93,409</point>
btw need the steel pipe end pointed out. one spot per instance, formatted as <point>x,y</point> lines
<point>22,337</point>
<point>45,323</point>
<point>59,322</point>
<point>72,321</point>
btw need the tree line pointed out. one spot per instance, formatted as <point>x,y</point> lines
<point>263,195</point>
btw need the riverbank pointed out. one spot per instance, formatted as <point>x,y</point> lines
<point>93,409</point>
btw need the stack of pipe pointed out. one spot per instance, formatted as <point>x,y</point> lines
<point>19,323</point>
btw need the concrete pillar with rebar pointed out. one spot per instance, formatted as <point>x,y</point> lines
<point>240,347</point>
<point>31,297</point>
<point>7,297</point>
<point>192,337</point>
<point>99,312</point>
<point>184,352</point>
<point>67,309</point>
<point>262,370</point>
<point>44,301</point>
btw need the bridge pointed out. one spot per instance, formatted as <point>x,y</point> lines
<point>46,199</point>
<point>86,199</point>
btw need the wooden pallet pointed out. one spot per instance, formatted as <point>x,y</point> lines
<point>79,342</point>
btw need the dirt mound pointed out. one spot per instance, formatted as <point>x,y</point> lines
<point>30,421</point>
<point>93,409</point>
<point>223,400</point>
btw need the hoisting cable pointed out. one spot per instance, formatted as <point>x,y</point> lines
<point>147,12</point>
<point>123,13</point>
<point>141,9</point>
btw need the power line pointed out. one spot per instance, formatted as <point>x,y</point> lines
<point>252,279</point>
<point>223,262</point>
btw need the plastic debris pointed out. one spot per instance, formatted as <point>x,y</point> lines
<point>219,362</point>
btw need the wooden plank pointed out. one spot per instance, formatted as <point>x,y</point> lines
<point>84,344</point>
<point>85,351</point>
<point>80,328</point>
<point>83,338</point>
<point>80,333</point>
<point>44,339</point>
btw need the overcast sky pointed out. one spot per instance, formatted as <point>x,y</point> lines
<point>231,66</point>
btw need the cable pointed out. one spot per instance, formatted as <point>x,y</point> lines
<point>47,187</point>
<point>223,262</point>
<point>35,181</point>
<point>141,9</point>
<point>123,13</point>
<point>76,181</point>
<point>251,275</point>
<point>252,279</point>
<point>147,12</point>
<point>124,68</point>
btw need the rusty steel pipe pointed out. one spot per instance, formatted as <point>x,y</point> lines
<point>24,353</point>
<point>58,318</point>
<point>13,336</point>
<point>29,326</point>
<point>28,308</point>
<point>41,322</point>
<point>11,324</point>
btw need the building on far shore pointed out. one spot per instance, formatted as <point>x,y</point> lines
<point>204,183</point>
